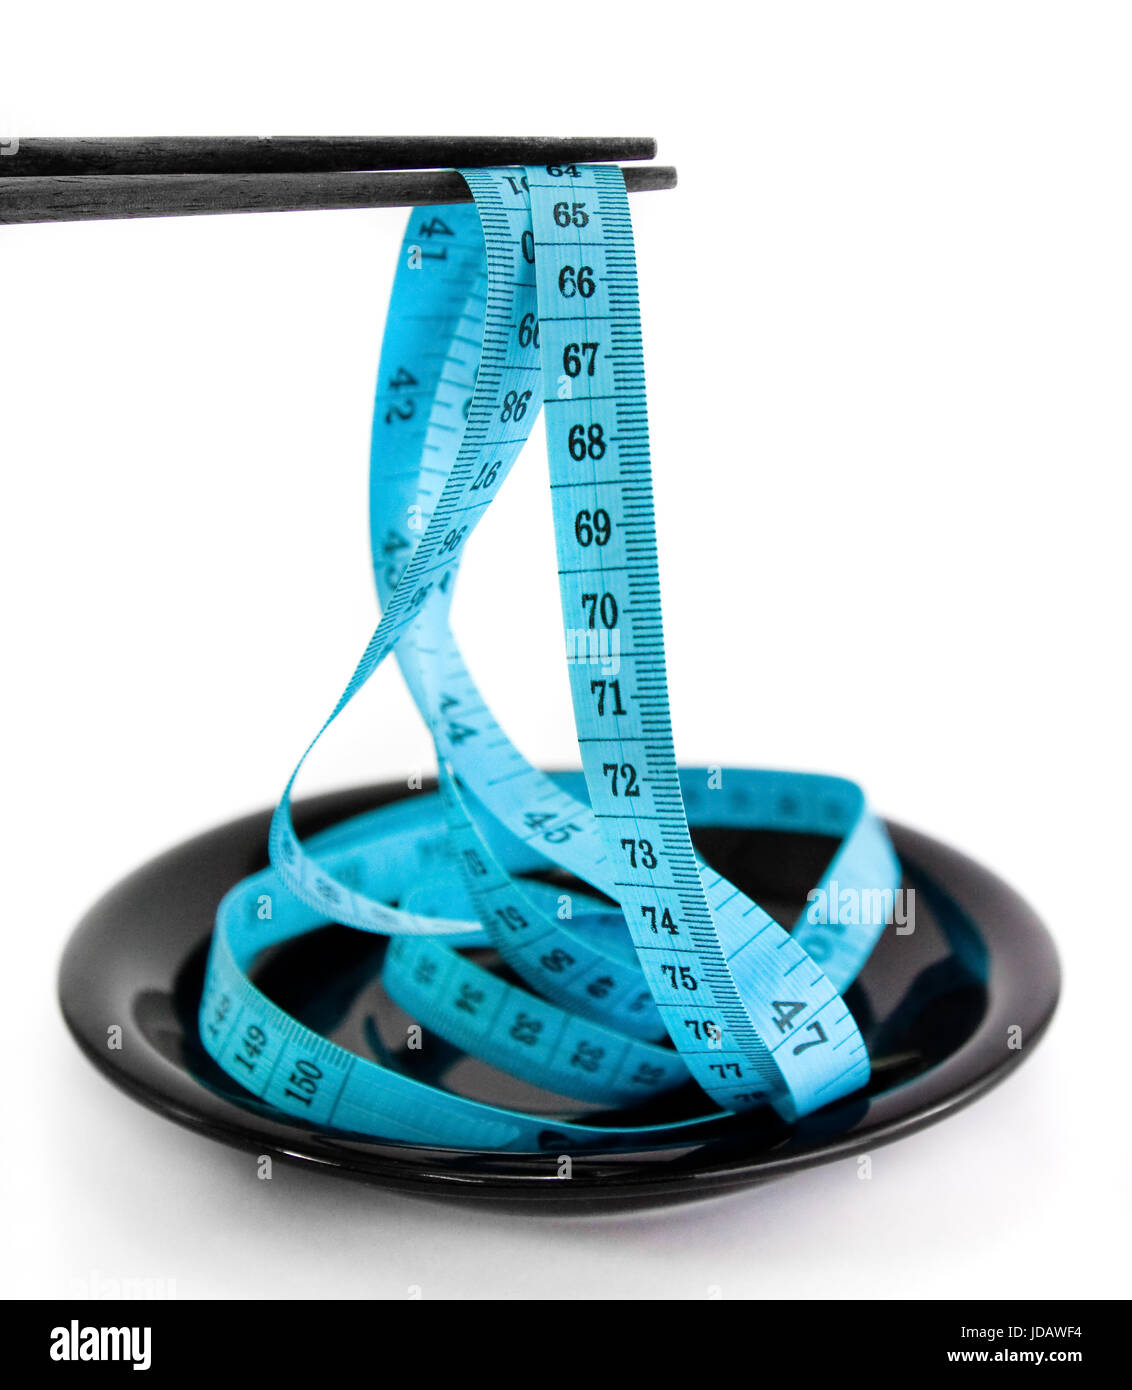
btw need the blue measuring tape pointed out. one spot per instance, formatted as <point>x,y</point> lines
<point>662,971</point>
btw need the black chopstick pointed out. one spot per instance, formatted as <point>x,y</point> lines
<point>96,197</point>
<point>36,157</point>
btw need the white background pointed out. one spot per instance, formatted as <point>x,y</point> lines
<point>887,320</point>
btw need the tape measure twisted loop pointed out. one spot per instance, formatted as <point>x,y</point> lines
<point>529,299</point>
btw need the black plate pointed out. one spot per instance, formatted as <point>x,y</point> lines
<point>935,1007</point>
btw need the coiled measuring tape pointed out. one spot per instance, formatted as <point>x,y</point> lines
<point>664,971</point>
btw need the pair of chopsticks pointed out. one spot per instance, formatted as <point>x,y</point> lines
<point>50,180</point>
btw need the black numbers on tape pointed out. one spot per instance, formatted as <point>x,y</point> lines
<point>785,1011</point>
<point>573,282</point>
<point>705,1029</point>
<point>627,785</point>
<point>302,1084</point>
<point>556,961</point>
<point>456,732</point>
<point>603,606</point>
<point>608,694</point>
<point>665,921</point>
<point>526,1029</point>
<point>571,214</point>
<point>511,918</point>
<point>647,1074</point>
<point>514,405</point>
<point>436,226</point>
<point>561,833</point>
<point>577,357</point>
<point>819,1037</point>
<point>403,378</point>
<point>474,864</point>
<point>640,853</point>
<point>592,528</point>
<point>487,475</point>
<point>583,442</point>
<point>587,1056</point>
<point>680,976</point>
<point>528,331</point>
<point>469,998</point>
<point>252,1044</point>
<point>219,1014</point>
